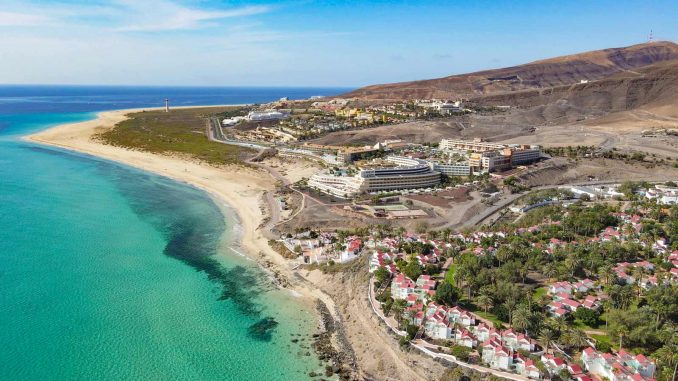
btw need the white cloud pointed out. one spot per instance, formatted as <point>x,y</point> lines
<point>24,19</point>
<point>123,42</point>
<point>149,16</point>
<point>122,15</point>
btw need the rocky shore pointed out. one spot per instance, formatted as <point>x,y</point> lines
<point>332,346</point>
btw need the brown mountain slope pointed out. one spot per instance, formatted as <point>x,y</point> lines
<point>557,71</point>
<point>653,88</point>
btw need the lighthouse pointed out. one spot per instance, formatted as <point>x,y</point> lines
<point>166,105</point>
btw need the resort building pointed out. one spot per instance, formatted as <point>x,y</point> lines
<point>475,145</point>
<point>442,106</point>
<point>461,168</point>
<point>232,121</point>
<point>266,115</point>
<point>490,157</point>
<point>406,173</point>
<point>336,184</point>
<point>450,107</point>
<point>349,155</point>
<point>489,161</point>
<point>663,194</point>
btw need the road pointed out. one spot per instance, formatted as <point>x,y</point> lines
<point>216,134</point>
<point>480,218</point>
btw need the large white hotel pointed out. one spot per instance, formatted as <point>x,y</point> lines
<point>400,173</point>
<point>406,173</point>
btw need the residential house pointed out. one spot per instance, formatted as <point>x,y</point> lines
<point>553,364</point>
<point>496,355</point>
<point>620,367</point>
<point>526,366</point>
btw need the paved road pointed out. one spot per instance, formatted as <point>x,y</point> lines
<point>216,134</point>
<point>479,218</point>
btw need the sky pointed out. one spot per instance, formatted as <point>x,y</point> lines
<point>304,43</point>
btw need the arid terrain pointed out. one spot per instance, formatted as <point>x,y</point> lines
<point>629,103</point>
<point>546,73</point>
<point>624,98</point>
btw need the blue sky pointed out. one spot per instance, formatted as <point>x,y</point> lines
<point>304,43</point>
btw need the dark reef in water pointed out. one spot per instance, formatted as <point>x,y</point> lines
<point>193,227</point>
<point>262,329</point>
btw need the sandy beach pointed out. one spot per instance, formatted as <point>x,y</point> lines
<point>242,190</point>
<point>239,188</point>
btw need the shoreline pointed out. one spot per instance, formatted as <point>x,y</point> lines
<point>234,189</point>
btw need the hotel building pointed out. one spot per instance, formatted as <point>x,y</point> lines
<point>491,157</point>
<point>407,173</point>
<point>462,168</point>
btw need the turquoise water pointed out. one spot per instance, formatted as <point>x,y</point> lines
<point>109,273</point>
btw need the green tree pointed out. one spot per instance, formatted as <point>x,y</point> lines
<point>546,336</point>
<point>663,300</point>
<point>621,296</point>
<point>576,338</point>
<point>447,294</point>
<point>413,270</point>
<point>521,318</point>
<point>634,327</point>
<point>606,275</point>
<point>485,301</point>
<point>381,275</point>
<point>398,308</point>
<point>667,362</point>
<point>587,316</point>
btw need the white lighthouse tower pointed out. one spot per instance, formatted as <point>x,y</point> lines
<point>166,105</point>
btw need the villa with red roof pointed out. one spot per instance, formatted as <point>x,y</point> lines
<point>402,286</point>
<point>496,355</point>
<point>622,367</point>
<point>553,363</point>
<point>526,367</point>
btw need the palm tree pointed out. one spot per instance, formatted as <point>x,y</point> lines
<point>447,232</point>
<point>607,305</point>
<point>485,301</point>
<point>559,324</point>
<point>510,304</point>
<point>575,338</point>
<point>398,308</point>
<point>550,270</point>
<point>546,336</point>
<point>400,232</point>
<point>606,275</point>
<point>521,318</point>
<point>638,273</point>
<point>572,263</point>
<point>503,254</point>
<point>523,270</point>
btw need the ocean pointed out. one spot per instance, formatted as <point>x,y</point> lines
<point>111,273</point>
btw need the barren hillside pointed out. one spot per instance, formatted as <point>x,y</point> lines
<point>547,73</point>
<point>651,87</point>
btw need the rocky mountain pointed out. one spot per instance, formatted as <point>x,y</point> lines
<point>548,73</point>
